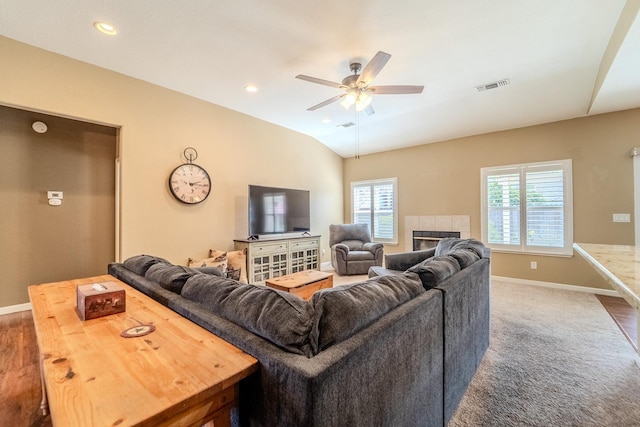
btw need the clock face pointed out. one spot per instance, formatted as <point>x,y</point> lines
<point>190,183</point>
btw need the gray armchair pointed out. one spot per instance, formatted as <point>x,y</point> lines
<point>352,251</point>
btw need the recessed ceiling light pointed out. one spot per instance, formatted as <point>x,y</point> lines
<point>326,120</point>
<point>251,88</point>
<point>105,28</point>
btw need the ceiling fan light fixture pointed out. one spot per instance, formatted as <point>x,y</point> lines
<point>348,100</point>
<point>363,101</point>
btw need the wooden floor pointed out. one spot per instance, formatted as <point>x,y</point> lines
<point>20,390</point>
<point>624,315</point>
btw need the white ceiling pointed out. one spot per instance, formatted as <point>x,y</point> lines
<point>564,58</point>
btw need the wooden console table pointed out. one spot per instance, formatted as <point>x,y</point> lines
<point>178,375</point>
<point>620,266</point>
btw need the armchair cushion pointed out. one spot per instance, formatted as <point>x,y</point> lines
<point>338,233</point>
<point>353,245</point>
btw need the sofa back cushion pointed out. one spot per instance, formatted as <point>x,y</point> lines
<point>280,317</point>
<point>450,244</point>
<point>434,270</point>
<point>464,257</point>
<point>139,264</point>
<point>169,276</point>
<point>342,311</point>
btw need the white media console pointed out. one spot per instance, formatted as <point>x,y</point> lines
<point>269,258</point>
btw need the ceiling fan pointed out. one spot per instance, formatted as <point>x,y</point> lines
<point>357,89</point>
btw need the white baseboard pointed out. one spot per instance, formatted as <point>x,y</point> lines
<point>15,308</point>
<point>599,291</point>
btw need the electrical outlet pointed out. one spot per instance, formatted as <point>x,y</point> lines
<point>621,217</point>
<point>534,265</point>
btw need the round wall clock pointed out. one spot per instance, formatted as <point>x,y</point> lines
<point>190,183</point>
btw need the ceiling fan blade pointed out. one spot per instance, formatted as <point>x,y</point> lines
<point>318,81</point>
<point>369,110</point>
<point>390,90</point>
<point>327,102</point>
<point>373,68</point>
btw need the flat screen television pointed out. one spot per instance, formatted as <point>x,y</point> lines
<point>278,210</point>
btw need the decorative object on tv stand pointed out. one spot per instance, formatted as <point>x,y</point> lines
<point>190,183</point>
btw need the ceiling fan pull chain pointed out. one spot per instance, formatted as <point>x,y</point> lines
<point>357,133</point>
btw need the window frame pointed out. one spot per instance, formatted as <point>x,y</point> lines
<point>372,183</point>
<point>567,207</point>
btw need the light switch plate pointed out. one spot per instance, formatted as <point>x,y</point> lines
<point>621,217</point>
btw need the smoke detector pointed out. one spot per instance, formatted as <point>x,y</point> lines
<point>39,127</point>
<point>492,85</point>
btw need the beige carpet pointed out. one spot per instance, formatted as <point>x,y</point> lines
<point>556,358</point>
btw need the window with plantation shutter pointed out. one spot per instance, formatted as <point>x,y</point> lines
<point>528,207</point>
<point>374,203</point>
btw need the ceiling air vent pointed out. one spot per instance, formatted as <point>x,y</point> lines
<point>346,125</point>
<point>492,85</point>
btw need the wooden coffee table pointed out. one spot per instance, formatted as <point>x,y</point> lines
<point>179,375</point>
<point>303,283</point>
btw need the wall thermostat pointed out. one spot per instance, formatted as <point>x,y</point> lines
<point>55,198</point>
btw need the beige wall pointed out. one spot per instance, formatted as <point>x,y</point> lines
<point>42,243</point>
<point>444,179</point>
<point>156,125</point>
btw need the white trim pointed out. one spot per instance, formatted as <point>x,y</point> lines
<point>636,196</point>
<point>15,308</point>
<point>562,286</point>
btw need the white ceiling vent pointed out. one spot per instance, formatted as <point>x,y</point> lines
<point>346,125</point>
<point>492,85</point>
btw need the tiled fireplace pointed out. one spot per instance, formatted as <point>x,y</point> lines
<point>427,229</point>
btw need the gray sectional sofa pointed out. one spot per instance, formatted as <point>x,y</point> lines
<point>373,353</point>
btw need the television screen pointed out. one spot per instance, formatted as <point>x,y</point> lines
<point>278,210</point>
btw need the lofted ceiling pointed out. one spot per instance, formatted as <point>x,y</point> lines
<point>563,58</point>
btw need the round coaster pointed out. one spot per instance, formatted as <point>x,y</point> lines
<point>137,331</point>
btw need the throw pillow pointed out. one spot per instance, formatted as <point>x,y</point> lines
<point>219,261</point>
<point>233,274</point>
<point>236,260</point>
<point>434,270</point>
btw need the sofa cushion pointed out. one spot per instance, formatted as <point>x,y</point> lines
<point>139,264</point>
<point>449,244</point>
<point>434,270</point>
<point>169,276</point>
<point>464,257</point>
<point>342,311</point>
<point>209,270</point>
<point>280,317</point>
<point>359,256</point>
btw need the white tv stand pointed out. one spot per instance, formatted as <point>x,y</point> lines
<point>269,258</point>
